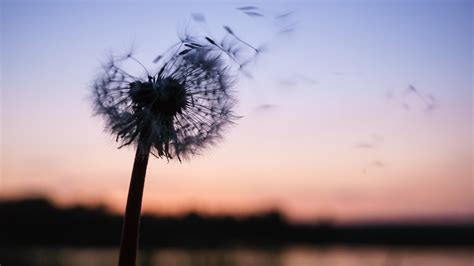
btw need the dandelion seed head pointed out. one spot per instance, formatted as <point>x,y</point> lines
<point>177,112</point>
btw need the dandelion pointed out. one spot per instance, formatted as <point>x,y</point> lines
<point>173,113</point>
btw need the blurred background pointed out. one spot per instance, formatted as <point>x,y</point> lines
<point>354,146</point>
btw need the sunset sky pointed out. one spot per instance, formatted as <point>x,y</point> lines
<point>330,126</point>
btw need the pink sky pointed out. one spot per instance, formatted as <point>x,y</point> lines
<point>344,140</point>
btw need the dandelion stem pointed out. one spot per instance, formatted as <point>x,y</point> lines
<point>131,223</point>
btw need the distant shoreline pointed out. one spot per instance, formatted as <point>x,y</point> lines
<point>38,223</point>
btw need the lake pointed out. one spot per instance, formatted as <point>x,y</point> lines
<point>289,256</point>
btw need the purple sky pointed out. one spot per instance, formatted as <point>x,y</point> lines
<point>331,127</point>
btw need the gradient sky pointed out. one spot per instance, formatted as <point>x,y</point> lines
<point>329,128</point>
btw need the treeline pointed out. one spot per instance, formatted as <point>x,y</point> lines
<point>37,222</point>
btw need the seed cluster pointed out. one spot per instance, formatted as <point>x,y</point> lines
<point>177,111</point>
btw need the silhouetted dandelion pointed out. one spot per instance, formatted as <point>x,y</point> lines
<point>173,112</point>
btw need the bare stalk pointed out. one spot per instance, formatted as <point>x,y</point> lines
<point>131,223</point>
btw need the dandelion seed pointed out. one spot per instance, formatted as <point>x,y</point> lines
<point>264,107</point>
<point>253,14</point>
<point>247,8</point>
<point>364,146</point>
<point>240,40</point>
<point>378,164</point>
<point>184,52</point>
<point>211,41</point>
<point>198,17</point>
<point>284,15</point>
<point>157,59</point>
<point>228,30</point>
<point>286,31</point>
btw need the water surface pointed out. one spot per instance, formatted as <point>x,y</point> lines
<point>291,256</point>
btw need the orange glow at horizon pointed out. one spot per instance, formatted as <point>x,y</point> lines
<point>343,138</point>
